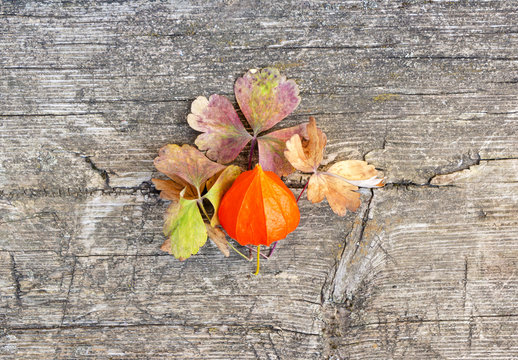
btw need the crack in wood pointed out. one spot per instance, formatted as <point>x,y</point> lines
<point>337,285</point>
<point>16,281</point>
<point>470,329</point>
<point>499,159</point>
<point>146,188</point>
<point>273,346</point>
<point>67,299</point>
<point>201,326</point>
<point>444,179</point>
<point>397,321</point>
<point>102,172</point>
<point>365,219</point>
<point>315,47</point>
<point>453,57</point>
<point>52,114</point>
<point>466,161</point>
<point>408,184</point>
<point>465,283</point>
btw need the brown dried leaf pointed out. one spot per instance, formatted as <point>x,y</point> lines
<point>219,238</point>
<point>340,195</point>
<point>353,170</point>
<point>306,155</point>
<point>186,165</point>
<point>170,190</point>
<point>339,184</point>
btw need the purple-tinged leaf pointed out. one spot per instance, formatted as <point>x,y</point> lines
<point>186,163</point>
<point>272,147</point>
<point>224,136</point>
<point>265,97</point>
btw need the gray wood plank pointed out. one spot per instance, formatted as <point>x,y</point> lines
<point>81,280</point>
<point>159,342</point>
<point>424,90</point>
<point>433,273</point>
<point>84,85</point>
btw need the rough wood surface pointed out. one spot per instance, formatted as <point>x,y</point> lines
<point>427,267</point>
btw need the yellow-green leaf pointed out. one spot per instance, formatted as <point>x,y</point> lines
<point>220,187</point>
<point>185,228</point>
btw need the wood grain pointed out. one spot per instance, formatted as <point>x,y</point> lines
<point>424,90</point>
<point>418,271</point>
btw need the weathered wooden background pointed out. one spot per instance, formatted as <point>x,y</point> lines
<point>426,269</point>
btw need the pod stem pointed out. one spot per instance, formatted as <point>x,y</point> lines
<point>249,247</point>
<point>258,259</point>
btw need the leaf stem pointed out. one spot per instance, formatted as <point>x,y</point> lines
<point>335,176</point>
<point>300,195</point>
<point>253,250</point>
<point>272,249</point>
<point>258,259</point>
<point>200,202</point>
<point>302,192</point>
<point>228,242</point>
<point>236,250</point>
<point>251,155</point>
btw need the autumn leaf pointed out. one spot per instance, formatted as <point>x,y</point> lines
<point>306,155</point>
<point>215,234</point>
<point>340,194</point>
<point>169,190</point>
<point>265,97</point>
<point>219,188</point>
<point>340,182</point>
<point>224,135</point>
<point>194,178</point>
<point>185,228</point>
<point>186,165</point>
<point>271,149</point>
<point>219,238</point>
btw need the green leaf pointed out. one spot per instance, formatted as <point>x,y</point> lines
<point>184,228</point>
<point>220,187</point>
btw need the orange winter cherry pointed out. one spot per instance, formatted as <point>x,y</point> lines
<point>258,209</point>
